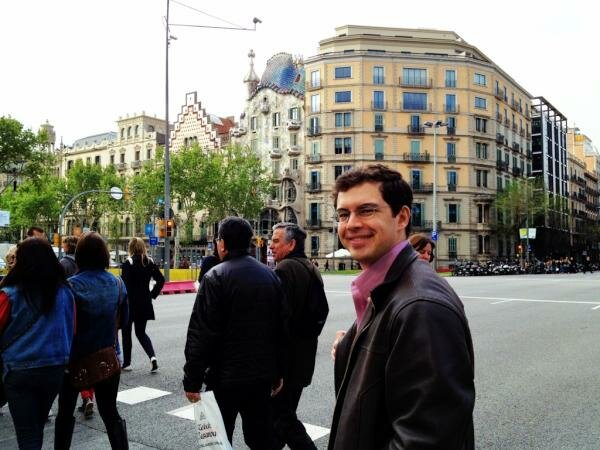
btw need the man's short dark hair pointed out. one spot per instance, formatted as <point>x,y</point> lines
<point>394,189</point>
<point>292,231</point>
<point>71,243</point>
<point>32,229</point>
<point>236,232</point>
<point>92,253</point>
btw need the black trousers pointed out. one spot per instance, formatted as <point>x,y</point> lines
<point>106,400</point>
<point>288,428</point>
<point>252,402</point>
<point>140,332</point>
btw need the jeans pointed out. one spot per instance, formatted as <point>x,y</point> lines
<point>252,402</point>
<point>140,332</point>
<point>288,429</point>
<point>106,400</point>
<point>30,393</point>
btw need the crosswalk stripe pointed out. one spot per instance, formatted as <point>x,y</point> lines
<point>139,394</point>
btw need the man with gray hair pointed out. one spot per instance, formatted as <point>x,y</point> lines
<point>299,278</point>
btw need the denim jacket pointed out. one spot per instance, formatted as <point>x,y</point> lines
<point>47,342</point>
<point>96,296</point>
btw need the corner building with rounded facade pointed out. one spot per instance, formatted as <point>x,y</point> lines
<point>370,93</point>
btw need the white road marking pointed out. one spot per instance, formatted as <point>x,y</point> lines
<point>139,394</point>
<point>328,291</point>
<point>314,431</point>
<point>503,300</point>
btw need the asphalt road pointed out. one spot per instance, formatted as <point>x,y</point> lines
<point>537,355</point>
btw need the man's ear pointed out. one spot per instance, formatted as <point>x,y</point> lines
<point>403,219</point>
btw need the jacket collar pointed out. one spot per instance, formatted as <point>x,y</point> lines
<point>405,258</point>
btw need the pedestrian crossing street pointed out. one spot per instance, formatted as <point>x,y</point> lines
<point>142,394</point>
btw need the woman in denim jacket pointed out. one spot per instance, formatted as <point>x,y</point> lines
<point>36,329</point>
<point>99,297</point>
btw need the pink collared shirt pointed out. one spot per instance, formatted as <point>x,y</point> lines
<point>372,277</point>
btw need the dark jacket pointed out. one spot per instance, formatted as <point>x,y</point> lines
<point>295,272</point>
<point>68,263</point>
<point>405,380</point>
<point>137,275</point>
<point>235,330</point>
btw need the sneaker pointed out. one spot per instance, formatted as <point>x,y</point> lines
<point>88,409</point>
<point>126,368</point>
<point>154,364</point>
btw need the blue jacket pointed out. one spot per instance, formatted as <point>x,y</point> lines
<point>96,295</point>
<point>47,342</point>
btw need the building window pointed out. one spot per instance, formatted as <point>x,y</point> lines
<point>253,123</point>
<point>483,244</point>
<point>343,145</point>
<point>481,178</point>
<point>112,160</point>
<point>452,247</point>
<point>343,96</point>
<point>254,145</point>
<point>481,150</point>
<point>483,213</point>
<point>479,79</point>
<point>88,160</point>
<point>97,160</point>
<point>122,133</point>
<point>137,130</point>
<point>343,119</point>
<point>128,132</point>
<point>275,142</point>
<point>148,153</point>
<point>293,139</point>
<point>452,177</point>
<point>294,113</point>
<point>122,160</point>
<point>453,213</point>
<point>315,103</point>
<point>481,124</point>
<point>450,80</point>
<point>416,216</point>
<point>338,170</point>
<point>315,148</point>
<point>276,117</point>
<point>378,77</point>
<point>343,72</point>
<point>137,155</point>
<point>378,147</point>
<point>480,103</point>
<point>378,100</point>
<point>451,151</point>
<point>415,123</point>
<point>415,150</point>
<point>414,101</point>
<point>414,77</point>
<point>294,163</point>
<point>315,79</point>
<point>451,121</point>
<point>378,118</point>
<point>314,245</point>
<point>450,106</point>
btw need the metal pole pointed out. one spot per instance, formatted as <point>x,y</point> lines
<point>434,225</point>
<point>167,156</point>
<point>527,219</point>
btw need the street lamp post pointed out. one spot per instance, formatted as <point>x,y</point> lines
<point>115,192</point>
<point>168,38</point>
<point>434,231</point>
<point>527,216</point>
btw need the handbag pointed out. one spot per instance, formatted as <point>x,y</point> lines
<point>209,423</point>
<point>98,366</point>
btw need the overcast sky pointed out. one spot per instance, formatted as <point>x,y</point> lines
<point>81,64</point>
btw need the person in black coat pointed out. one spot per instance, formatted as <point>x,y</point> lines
<point>235,337</point>
<point>136,272</point>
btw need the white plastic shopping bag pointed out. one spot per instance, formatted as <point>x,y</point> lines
<point>209,423</point>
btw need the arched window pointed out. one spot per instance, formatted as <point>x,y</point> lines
<point>122,133</point>
<point>268,218</point>
<point>289,215</point>
<point>128,132</point>
<point>137,130</point>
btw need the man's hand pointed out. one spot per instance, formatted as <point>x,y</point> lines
<point>338,337</point>
<point>193,397</point>
<point>277,387</point>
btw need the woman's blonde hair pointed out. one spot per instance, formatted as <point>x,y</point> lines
<point>137,246</point>
<point>11,257</point>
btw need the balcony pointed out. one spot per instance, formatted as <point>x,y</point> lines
<point>290,173</point>
<point>522,131</point>
<point>121,166</point>
<point>379,106</point>
<point>426,225</point>
<point>313,159</point>
<point>378,156</point>
<point>498,117</point>
<point>421,84</point>
<point>451,187</point>
<point>313,131</point>
<point>452,109</point>
<point>501,165</point>
<point>517,172</point>
<point>451,158</point>
<point>451,131</point>
<point>514,127</point>
<point>499,138</point>
<point>293,124</point>
<point>265,108</point>
<point>499,94</point>
<point>294,150</point>
<point>313,222</point>
<point>275,153</point>
<point>516,146</point>
<point>422,187</point>
<point>313,85</point>
<point>419,157</point>
<point>514,105</point>
<point>414,129</point>
<point>379,128</point>
<point>506,122</point>
<point>415,108</point>
<point>313,187</point>
<point>136,164</point>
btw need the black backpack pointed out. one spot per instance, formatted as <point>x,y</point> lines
<point>312,317</point>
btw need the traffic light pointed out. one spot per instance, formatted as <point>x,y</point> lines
<point>170,227</point>
<point>161,228</point>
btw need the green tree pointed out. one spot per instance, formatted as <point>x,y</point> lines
<point>147,188</point>
<point>16,144</point>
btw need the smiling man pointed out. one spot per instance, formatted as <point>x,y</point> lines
<point>404,370</point>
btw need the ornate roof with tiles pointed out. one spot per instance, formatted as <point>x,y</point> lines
<point>284,75</point>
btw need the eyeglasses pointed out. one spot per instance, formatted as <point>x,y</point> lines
<point>363,211</point>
